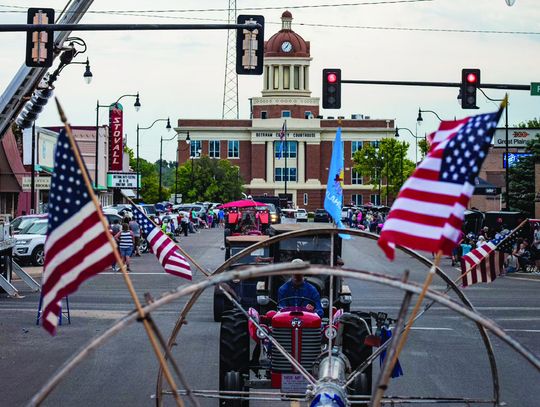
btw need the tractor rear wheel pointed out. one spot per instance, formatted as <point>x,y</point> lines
<point>219,306</point>
<point>355,330</point>
<point>233,346</point>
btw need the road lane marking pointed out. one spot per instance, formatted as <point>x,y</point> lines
<point>536,331</point>
<point>428,328</point>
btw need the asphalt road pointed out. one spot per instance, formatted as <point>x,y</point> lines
<point>444,355</point>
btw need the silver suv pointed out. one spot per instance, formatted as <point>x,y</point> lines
<point>29,246</point>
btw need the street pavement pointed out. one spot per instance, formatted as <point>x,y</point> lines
<point>444,355</point>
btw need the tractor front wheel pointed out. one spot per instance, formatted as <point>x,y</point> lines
<point>233,347</point>
<point>233,381</point>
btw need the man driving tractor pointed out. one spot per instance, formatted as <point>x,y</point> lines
<point>297,292</point>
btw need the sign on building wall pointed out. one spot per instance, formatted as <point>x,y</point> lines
<point>39,183</point>
<point>122,180</point>
<point>116,130</point>
<point>516,137</point>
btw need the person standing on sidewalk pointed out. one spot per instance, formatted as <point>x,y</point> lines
<point>136,230</point>
<point>125,241</point>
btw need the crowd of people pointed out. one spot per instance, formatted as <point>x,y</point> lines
<point>524,253</point>
<point>369,219</point>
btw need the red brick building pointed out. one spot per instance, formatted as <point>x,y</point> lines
<point>254,145</point>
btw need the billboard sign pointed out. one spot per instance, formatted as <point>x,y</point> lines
<point>516,137</point>
<point>116,141</point>
<point>122,180</point>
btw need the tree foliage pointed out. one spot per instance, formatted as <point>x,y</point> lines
<point>521,176</point>
<point>389,161</point>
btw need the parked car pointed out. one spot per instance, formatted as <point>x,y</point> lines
<point>301,215</point>
<point>24,222</point>
<point>321,216</point>
<point>147,209</point>
<point>29,246</point>
<point>120,209</point>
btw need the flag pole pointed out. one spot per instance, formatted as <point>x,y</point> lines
<point>203,271</point>
<point>427,283</point>
<point>129,284</point>
<point>285,153</point>
<point>500,243</point>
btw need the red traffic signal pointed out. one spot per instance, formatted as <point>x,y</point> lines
<point>331,89</point>
<point>471,77</point>
<point>470,81</point>
<point>331,77</point>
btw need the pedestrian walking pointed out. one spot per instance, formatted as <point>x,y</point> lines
<point>125,241</point>
<point>185,224</point>
<point>136,230</point>
<point>115,229</point>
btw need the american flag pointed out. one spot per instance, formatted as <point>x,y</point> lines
<point>486,263</point>
<point>428,212</point>
<point>77,245</point>
<point>163,246</point>
<point>282,134</point>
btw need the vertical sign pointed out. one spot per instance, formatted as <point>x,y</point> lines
<point>116,143</point>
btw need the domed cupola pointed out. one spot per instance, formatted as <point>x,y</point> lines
<point>286,43</point>
<point>286,63</point>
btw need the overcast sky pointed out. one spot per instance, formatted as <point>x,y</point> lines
<point>180,74</point>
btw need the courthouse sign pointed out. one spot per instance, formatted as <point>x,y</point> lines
<point>516,137</point>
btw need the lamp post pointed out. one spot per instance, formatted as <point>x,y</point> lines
<point>168,127</point>
<point>161,159</point>
<point>137,105</point>
<point>196,154</point>
<point>415,140</point>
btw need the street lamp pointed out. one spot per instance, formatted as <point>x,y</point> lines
<point>137,106</point>
<point>178,149</point>
<point>415,141</point>
<point>419,119</point>
<point>168,127</point>
<point>196,154</point>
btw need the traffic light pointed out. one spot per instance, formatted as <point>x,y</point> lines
<point>39,44</point>
<point>250,46</point>
<point>331,91</point>
<point>470,81</point>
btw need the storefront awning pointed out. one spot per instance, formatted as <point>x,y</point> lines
<point>482,187</point>
<point>128,193</point>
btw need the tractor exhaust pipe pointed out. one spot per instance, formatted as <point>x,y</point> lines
<point>328,390</point>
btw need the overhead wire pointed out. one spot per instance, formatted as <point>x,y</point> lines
<point>144,13</point>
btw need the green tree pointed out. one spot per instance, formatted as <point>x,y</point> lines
<point>209,180</point>
<point>423,145</point>
<point>521,176</point>
<point>388,162</point>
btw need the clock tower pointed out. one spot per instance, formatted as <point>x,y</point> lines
<point>286,90</point>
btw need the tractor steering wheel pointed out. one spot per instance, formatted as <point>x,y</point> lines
<point>284,304</point>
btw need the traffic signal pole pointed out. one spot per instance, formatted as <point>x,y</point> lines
<point>503,86</point>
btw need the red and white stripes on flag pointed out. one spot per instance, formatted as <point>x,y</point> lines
<point>168,254</point>
<point>482,265</point>
<point>429,210</point>
<point>77,245</point>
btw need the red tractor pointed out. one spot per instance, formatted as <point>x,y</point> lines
<point>290,346</point>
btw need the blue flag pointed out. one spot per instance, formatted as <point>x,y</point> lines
<point>333,200</point>
<point>282,138</point>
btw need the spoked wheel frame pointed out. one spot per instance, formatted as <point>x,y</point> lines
<point>484,324</point>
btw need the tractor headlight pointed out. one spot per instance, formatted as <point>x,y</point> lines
<point>263,332</point>
<point>325,302</point>
<point>330,332</point>
<point>345,299</point>
<point>263,299</point>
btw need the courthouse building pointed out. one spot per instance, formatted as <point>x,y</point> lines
<point>254,145</point>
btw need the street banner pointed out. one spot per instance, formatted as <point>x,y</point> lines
<point>116,141</point>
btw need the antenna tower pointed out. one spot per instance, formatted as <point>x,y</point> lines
<point>230,88</point>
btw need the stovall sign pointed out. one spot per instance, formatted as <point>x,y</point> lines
<point>116,143</point>
<point>516,137</point>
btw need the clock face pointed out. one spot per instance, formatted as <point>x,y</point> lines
<point>286,46</point>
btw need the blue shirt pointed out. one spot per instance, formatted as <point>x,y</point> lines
<point>305,290</point>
